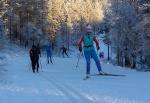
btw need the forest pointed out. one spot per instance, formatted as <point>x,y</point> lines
<point>124,24</point>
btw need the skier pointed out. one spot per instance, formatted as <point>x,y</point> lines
<point>64,51</point>
<point>100,54</point>
<point>49,53</point>
<point>34,57</point>
<point>88,39</point>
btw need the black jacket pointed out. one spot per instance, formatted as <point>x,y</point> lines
<point>34,54</point>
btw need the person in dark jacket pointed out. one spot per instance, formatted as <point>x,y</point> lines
<point>64,51</point>
<point>34,57</point>
<point>100,55</point>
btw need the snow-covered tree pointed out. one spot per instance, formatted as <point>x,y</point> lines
<point>120,20</point>
<point>128,31</point>
<point>31,33</point>
<point>67,18</point>
<point>71,17</point>
<point>2,34</point>
<point>143,30</point>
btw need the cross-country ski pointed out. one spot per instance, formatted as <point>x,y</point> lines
<point>107,74</point>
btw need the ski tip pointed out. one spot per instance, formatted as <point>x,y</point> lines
<point>87,77</point>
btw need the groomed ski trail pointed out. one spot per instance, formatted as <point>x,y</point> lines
<point>73,95</point>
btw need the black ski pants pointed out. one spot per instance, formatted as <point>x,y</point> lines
<point>64,52</point>
<point>35,64</point>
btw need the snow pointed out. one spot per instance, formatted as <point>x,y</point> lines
<point>62,82</point>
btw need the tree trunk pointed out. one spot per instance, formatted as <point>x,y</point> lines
<point>108,53</point>
<point>118,57</point>
<point>127,62</point>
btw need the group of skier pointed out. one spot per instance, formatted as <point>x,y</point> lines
<point>87,40</point>
<point>35,53</point>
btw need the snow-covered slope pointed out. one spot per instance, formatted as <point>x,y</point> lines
<point>62,82</point>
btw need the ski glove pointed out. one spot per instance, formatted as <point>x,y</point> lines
<point>80,49</point>
<point>98,47</point>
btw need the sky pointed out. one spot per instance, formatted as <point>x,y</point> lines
<point>62,81</point>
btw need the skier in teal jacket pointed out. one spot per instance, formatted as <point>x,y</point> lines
<point>88,40</point>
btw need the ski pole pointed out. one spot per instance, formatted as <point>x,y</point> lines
<point>41,65</point>
<point>97,52</point>
<point>52,59</point>
<point>59,52</point>
<point>46,57</point>
<point>29,65</point>
<point>78,60</point>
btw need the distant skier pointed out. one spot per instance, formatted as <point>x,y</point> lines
<point>34,57</point>
<point>101,54</point>
<point>88,39</point>
<point>64,51</point>
<point>49,53</point>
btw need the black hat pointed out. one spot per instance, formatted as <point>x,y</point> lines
<point>33,46</point>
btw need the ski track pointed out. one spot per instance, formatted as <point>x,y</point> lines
<point>71,93</point>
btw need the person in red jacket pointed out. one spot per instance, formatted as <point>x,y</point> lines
<point>88,40</point>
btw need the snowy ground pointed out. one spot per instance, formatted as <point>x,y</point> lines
<point>62,82</point>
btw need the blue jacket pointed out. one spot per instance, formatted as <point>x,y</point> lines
<point>48,49</point>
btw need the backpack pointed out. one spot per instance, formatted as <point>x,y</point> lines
<point>34,54</point>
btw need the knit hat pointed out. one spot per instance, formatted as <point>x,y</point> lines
<point>33,46</point>
<point>88,28</point>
